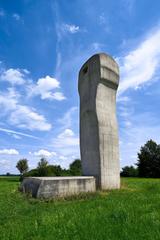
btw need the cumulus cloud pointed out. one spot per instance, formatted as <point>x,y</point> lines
<point>8,100</point>
<point>28,118</point>
<point>66,144</point>
<point>141,64</point>
<point>44,153</point>
<point>14,76</point>
<point>66,133</point>
<point>58,96</point>
<point>65,139</point>
<point>9,152</point>
<point>71,28</point>
<point>20,115</point>
<point>45,87</point>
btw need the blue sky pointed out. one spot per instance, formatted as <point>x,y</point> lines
<point>42,47</point>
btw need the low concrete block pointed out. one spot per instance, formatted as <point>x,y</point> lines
<point>50,187</point>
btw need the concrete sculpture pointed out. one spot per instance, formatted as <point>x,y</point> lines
<point>98,83</point>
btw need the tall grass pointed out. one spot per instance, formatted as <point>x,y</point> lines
<point>130,213</point>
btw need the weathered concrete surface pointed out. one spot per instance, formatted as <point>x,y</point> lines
<point>50,187</point>
<point>98,83</point>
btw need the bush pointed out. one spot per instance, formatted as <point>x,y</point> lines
<point>76,168</point>
<point>45,170</point>
<point>32,173</point>
<point>48,171</point>
<point>129,171</point>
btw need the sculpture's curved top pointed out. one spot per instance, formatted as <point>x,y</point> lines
<point>108,69</point>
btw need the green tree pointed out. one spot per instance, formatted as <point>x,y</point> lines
<point>76,168</point>
<point>129,171</point>
<point>42,163</point>
<point>22,166</point>
<point>8,174</point>
<point>42,167</point>
<point>54,170</point>
<point>149,160</point>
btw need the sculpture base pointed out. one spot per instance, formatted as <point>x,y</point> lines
<point>51,187</point>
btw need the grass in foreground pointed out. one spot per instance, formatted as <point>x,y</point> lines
<point>130,213</point>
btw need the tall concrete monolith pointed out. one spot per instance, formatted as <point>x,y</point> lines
<point>99,143</point>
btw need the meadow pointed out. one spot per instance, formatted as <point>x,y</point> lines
<point>133,212</point>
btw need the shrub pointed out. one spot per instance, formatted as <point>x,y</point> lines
<point>76,168</point>
<point>129,171</point>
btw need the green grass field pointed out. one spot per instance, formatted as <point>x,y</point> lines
<point>130,213</point>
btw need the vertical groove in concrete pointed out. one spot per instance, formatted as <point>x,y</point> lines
<point>98,83</point>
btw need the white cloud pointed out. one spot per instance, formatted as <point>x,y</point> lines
<point>123,99</point>
<point>65,139</point>
<point>45,87</point>
<point>58,96</point>
<point>68,118</point>
<point>66,133</point>
<point>128,5</point>
<point>44,153</point>
<point>140,65</point>
<point>14,76</point>
<point>66,145</point>
<point>65,148</point>
<point>71,28</point>
<point>131,144</point>
<point>48,83</point>
<point>28,118</point>
<point>16,16</point>
<point>97,46</point>
<point>5,164</point>
<point>8,100</point>
<point>102,19</point>
<point>19,115</point>
<point>128,123</point>
<point>66,142</point>
<point>63,158</point>
<point>9,152</point>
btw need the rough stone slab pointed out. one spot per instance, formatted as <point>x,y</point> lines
<point>50,187</point>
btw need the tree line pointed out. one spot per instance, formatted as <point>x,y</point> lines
<point>148,165</point>
<point>45,169</point>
